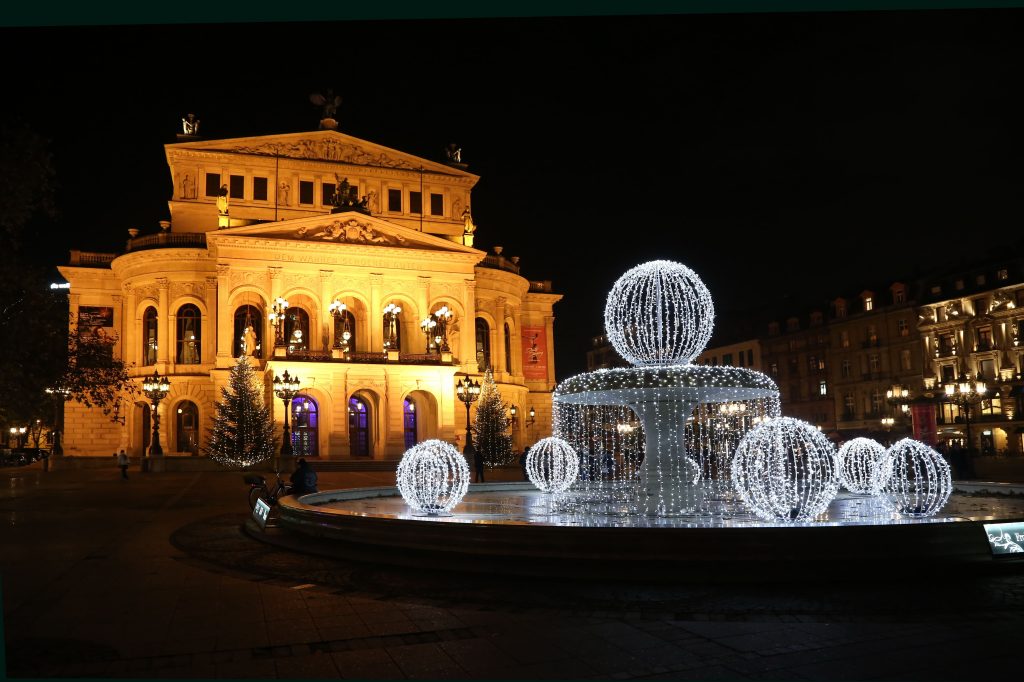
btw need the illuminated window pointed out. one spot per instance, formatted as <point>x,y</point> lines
<point>305,422</point>
<point>358,428</point>
<point>822,388</point>
<point>189,345</point>
<point>906,362</point>
<point>247,316</point>
<point>869,303</point>
<point>187,427</point>
<point>409,422</point>
<point>437,204</point>
<point>305,192</point>
<point>149,337</point>
<point>483,344</point>
<point>901,326</point>
<point>844,339</point>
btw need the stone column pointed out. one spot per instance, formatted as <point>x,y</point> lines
<point>375,314</point>
<point>118,325</point>
<point>327,328</point>
<point>129,327</point>
<point>467,327</point>
<point>549,332</point>
<point>212,328</point>
<point>498,347</point>
<point>165,335</point>
<point>423,303</point>
<point>225,325</point>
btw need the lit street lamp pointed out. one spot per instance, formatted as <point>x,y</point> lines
<point>59,395</point>
<point>965,393</point>
<point>156,387</point>
<point>277,319</point>
<point>391,311</point>
<point>286,388</point>
<point>337,310</point>
<point>468,392</point>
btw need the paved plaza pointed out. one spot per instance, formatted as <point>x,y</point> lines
<point>152,577</point>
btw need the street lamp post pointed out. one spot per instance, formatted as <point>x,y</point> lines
<point>428,325</point>
<point>337,310</point>
<point>286,388</point>
<point>391,311</point>
<point>156,387</point>
<point>468,392</point>
<point>276,316</point>
<point>443,316</point>
<point>59,395</point>
<point>966,393</point>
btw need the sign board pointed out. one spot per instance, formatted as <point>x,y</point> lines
<point>925,423</point>
<point>535,353</point>
<point>1005,539</point>
<point>260,513</point>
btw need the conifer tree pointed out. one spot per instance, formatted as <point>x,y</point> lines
<point>243,427</point>
<point>492,425</point>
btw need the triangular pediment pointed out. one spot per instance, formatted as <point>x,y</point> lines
<point>350,227</point>
<point>322,145</point>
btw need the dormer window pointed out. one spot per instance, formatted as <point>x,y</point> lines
<point>899,293</point>
<point>840,307</point>
<point>869,303</point>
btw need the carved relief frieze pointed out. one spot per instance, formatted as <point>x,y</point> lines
<point>327,150</point>
<point>142,293</point>
<point>240,277</point>
<point>179,289</point>
<point>351,231</point>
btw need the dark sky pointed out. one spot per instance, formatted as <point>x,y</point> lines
<point>784,157</point>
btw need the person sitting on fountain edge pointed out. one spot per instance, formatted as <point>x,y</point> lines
<point>303,479</point>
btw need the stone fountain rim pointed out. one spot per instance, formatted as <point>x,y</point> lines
<point>699,381</point>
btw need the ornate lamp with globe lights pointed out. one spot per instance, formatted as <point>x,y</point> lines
<point>391,311</point>
<point>277,313</point>
<point>965,393</point>
<point>468,392</point>
<point>286,387</point>
<point>337,310</point>
<point>155,388</point>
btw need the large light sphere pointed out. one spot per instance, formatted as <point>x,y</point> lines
<point>552,465</point>
<point>861,467</point>
<point>659,313</point>
<point>433,477</point>
<point>919,482</point>
<point>785,469</point>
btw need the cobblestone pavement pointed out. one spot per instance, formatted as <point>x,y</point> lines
<point>153,577</point>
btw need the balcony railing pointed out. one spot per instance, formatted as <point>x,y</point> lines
<point>367,357</point>
<point>167,240</point>
<point>87,259</point>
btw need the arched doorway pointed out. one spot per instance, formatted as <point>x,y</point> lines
<point>296,329</point>
<point>149,336</point>
<point>186,427</point>
<point>359,427</point>
<point>409,422</point>
<point>305,433</point>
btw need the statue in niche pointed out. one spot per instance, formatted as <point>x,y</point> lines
<point>457,208</point>
<point>249,341</point>
<point>190,125</point>
<point>373,204</point>
<point>282,193</point>
<point>188,187</point>
<point>222,200</point>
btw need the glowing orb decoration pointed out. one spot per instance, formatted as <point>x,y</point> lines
<point>659,313</point>
<point>919,482</point>
<point>433,477</point>
<point>552,465</point>
<point>861,467</point>
<point>785,469</point>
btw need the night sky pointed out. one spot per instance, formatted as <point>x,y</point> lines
<point>787,158</point>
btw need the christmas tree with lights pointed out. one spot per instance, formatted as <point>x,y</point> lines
<point>243,427</point>
<point>492,425</point>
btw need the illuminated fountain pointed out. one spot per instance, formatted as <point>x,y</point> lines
<point>659,317</point>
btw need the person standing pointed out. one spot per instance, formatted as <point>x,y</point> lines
<point>522,462</point>
<point>478,462</point>
<point>122,461</point>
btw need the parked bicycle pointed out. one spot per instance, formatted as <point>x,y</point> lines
<point>260,490</point>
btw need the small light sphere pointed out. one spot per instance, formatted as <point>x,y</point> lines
<point>552,465</point>
<point>659,313</point>
<point>861,467</point>
<point>785,469</point>
<point>433,477</point>
<point>919,481</point>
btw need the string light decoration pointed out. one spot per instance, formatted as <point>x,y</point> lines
<point>785,469</point>
<point>243,426</point>
<point>552,465</point>
<point>861,467</point>
<point>659,313</point>
<point>433,477</point>
<point>918,482</point>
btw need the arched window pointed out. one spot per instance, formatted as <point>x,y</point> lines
<point>296,329</point>
<point>248,316</point>
<point>189,321</point>
<point>345,324</point>
<point>393,331</point>
<point>187,427</point>
<point>508,349</point>
<point>305,418</point>
<point>483,344</point>
<point>149,329</point>
<point>409,422</point>
<point>358,427</point>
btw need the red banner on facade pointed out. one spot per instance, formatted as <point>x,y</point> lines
<point>925,428</point>
<point>535,353</point>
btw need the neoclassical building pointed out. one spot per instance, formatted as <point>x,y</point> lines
<point>331,258</point>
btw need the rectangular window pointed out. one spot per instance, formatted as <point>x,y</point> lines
<point>980,280</point>
<point>305,192</point>
<point>875,362</point>
<point>936,289</point>
<point>869,303</point>
<point>259,189</point>
<point>1002,274</point>
<point>987,369</point>
<point>905,360</point>
<point>436,204</point>
<point>876,402</point>
<point>844,339</point>
<point>850,403</point>
<point>822,388</point>
<point>415,202</point>
<point>727,359</point>
<point>901,326</point>
<point>750,357</point>
<point>236,189</point>
<point>774,369</point>
<point>845,368</point>
<point>741,357</point>
<point>327,193</point>
<point>899,296</point>
<point>872,334</point>
<point>395,200</point>
<point>985,338</point>
<point>948,374</point>
<point>212,184</point>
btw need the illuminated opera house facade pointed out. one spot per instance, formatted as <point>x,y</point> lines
<point>345,263</point>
